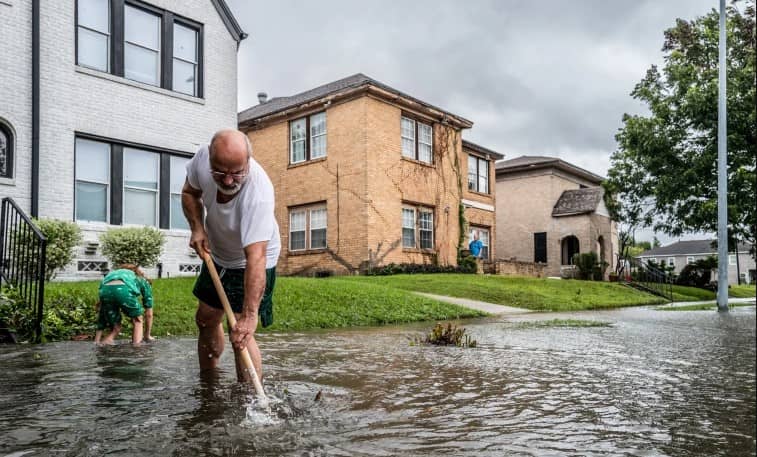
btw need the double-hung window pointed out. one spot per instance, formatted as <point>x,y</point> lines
<point>307,228</point>
<point>93,34</point>
<point>178,176</point>
<point>122,183</point>
<point>141,187</point>
<point>478,174</point>
<point>307,138</point>
<point>417,140</point>
<point>92,188</point>
<point>417,227</point>
<point>140,42</point>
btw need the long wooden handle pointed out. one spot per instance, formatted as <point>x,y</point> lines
<point>246,360</point>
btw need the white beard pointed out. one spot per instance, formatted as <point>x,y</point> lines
<point>237,187</point>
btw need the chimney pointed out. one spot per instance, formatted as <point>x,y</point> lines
<point>262,97</point>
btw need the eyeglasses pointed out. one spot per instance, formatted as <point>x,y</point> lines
<point>234,176</point>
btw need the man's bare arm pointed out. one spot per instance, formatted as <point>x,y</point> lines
<point>191,203</point>
<point>254,287</point>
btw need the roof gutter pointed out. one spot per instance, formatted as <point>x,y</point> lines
<point>35,108</point>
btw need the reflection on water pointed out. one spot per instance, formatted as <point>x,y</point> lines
<point>653,383</point>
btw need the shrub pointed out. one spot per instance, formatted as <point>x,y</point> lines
<point>589,266</point>
<point>698,273</point>
<point>137,245</point>
<point>467,264</point>
<point>15,315</point>
<point>68,315</point>
<point>416,268</point>
<point>62,238</point>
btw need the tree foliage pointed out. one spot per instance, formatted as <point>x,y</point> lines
<point>664,173</point>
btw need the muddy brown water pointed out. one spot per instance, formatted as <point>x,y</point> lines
<point>653,383</point>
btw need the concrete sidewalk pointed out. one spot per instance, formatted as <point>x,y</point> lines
<point>479,305</point>
<point>714,302</point>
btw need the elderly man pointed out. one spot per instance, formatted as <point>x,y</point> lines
<point>242,236</point>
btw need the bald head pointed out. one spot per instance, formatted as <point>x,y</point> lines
<point>230,144</point>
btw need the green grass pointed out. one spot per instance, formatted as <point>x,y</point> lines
<point>742,291</point>
<point>699,307</point>
<point>562,323</point>
<point>684,293</point>
<point>299,304</point>
<point>530,293</point>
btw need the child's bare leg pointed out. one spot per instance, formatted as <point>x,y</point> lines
<point>112,335</point>
<point>148,324</point>
<point>136,335</point>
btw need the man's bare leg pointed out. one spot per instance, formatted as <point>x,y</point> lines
<point>148,324</point>
<point>136,335</point>
<point>210,342</point>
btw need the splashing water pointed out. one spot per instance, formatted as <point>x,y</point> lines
<point>260,412</point>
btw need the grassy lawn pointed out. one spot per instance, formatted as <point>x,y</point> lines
<point>683,293</point>
<point>529,293</point>
<point>299,303</point>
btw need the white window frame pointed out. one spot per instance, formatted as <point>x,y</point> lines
<point>671,261</point>
<point>416,212</point>
<point>195,63</point>
<point>690,260</point>
<point>171,194</point>
<point>731,259</point>
<point>308,227</point>
<point>416,139</point>
<point>422,229</point>
<point>309,137</point>
<point>480,163</point>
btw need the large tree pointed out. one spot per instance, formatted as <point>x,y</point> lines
<point>664,173</point>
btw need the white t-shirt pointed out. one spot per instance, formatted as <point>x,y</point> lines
<point>247,218</point>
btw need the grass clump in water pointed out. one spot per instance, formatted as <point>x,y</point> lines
<point>449,335</point>
<point>563,323</point>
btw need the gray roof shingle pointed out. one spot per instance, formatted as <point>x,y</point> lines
<point>524,163</point>
<point>689,247</point>
<point>578,201</point>
<point>282,103</point>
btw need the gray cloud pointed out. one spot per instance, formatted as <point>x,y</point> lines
<point>536,78</point>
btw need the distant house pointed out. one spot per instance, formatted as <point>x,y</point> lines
<point>99,115</point>
<point>366,175</point>
<point>682,253</point>
<point>548,210</point>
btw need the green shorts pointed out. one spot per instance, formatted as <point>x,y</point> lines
<point>114,300</point>
<point>232,280</point>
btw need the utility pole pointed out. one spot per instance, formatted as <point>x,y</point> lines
<point>722,170</point>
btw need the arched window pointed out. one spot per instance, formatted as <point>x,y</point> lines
<point>569,248</point>
<point>6,152</point>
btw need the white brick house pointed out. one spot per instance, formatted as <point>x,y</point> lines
<point>119,94</point>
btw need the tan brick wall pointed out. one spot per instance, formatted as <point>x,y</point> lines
<point>524,207</point>
<point>364,182</point>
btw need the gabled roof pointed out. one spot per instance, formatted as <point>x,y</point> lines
<point>526,163</point>
<point>578,201</point>
<point>228,19</point>
<point>346,85</point>
<point>482,150</point>
<point>689,247</point>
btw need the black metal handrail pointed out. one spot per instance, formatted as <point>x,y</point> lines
<point>649,278</point>
<point>23,255</point>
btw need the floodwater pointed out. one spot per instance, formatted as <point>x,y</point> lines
<point>652,384</point>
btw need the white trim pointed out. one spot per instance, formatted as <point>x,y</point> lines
<point>129,82</point>
<point>477,205</point>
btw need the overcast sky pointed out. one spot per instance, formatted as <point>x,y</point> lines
<point>549,77</point>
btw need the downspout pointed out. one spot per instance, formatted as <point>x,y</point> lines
<point>35,108</point>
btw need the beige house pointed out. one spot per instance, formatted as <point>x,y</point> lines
<point>366,175</point>
<point>548,210</point>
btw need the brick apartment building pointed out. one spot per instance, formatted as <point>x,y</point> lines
<point>548,210</point>
<point>99,115</point>
<point>366,175</point>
